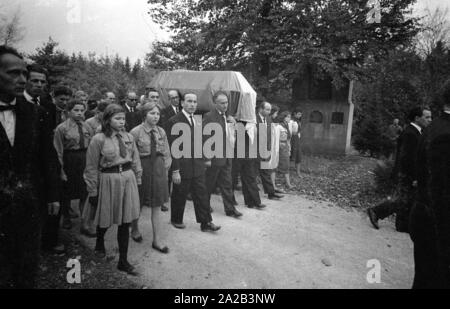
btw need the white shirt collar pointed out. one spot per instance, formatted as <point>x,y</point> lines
<point>29,98</point>
<point>174,108</point>
<point>417,127</point>
<point>13,102</point>
<point>188,117</point>
<point>447,112</point>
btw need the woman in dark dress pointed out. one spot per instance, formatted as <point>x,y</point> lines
<point>153,147</point>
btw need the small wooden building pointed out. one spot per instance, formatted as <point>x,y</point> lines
<point>327,114</point>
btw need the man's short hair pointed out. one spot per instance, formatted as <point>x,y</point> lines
<point>183,97</point>
<point>9,50</point>
<point>262,103</point>
<point>416,112</point>
<point>71,104</point>
<point>152,90</point>
<point>62,90</point>
<point>37,68</point>
<point>219,93</point>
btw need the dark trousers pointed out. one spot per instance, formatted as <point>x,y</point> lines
<point>235,171</point>
<point>248,178</point>
<point>50,231</point>
<point>426,262</point>
<point>220,176</point>
<point>20,239</point>
<point>265,179</point>
<point>401,206</point>
<point>196,186</point>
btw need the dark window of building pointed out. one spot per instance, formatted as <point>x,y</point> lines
<point>316,117</point>
<point>337,118</point>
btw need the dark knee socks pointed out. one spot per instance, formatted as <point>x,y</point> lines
<point>100,243</point>
<point>123,234</point>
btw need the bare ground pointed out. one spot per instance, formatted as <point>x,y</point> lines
<point>318,239</point>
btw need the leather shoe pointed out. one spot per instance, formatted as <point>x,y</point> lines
<point>279,191</point>
<point>373,218</point>
<point>209,227</point>
<point>234,214</point>
<point>275,196</point>
<point>126,267</point>
<point>261,206</point>
<point>178,225</point>
<point>164,208</point>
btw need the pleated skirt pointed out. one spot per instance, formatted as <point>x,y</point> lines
<point>118,200</point>
<point>154,191</point>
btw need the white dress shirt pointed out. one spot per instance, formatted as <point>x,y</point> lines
<point>188,117</point>
<point>417,127</point>
<point>30,99</point>
<point>8,121</point>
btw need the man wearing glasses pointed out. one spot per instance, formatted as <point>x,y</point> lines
<point>153,96</point>
<point>171,110</point>
<point>132,117</point>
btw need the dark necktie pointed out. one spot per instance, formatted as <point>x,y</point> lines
<point>80,132</point>
<point>192,120</point>
<point>122,148</point>
<point>152,144</point>
<point>7,108</point>
<point>35,101</point>
<point>132,109</point>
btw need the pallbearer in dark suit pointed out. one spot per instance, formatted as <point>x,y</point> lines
<point>219,173</point>
<point>132,116</point>
<point>166,114</point>
<point>248,169</point>
<point>264,122</point>
<point>407,179</point>
<point>28,175</point>
<point>188,172</point>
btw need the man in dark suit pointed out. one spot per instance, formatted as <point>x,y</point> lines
<point>219,173</point>
<point>430,216</point>
<point>408,147</point>
<point>247,166</point>
<point>166,114</point>
<point>188,172</point>
<point>35,93</point>
<point>264,122</point>
<point>61,96</point>
<point>28,175</point>
<point>172,110</point>
<point>132,116</point>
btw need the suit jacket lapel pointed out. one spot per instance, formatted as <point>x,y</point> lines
<point>4,141</point>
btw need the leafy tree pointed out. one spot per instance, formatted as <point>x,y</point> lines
<point>11,30</point>
<point>271,40</point>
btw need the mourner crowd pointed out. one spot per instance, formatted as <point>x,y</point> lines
<point>114,158</point>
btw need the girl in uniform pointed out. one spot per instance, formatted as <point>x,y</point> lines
<point>113,172</point>
<point>71,140</point>
<point>155,156</point>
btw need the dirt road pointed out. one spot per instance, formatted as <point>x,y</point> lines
<point>294,243</point>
